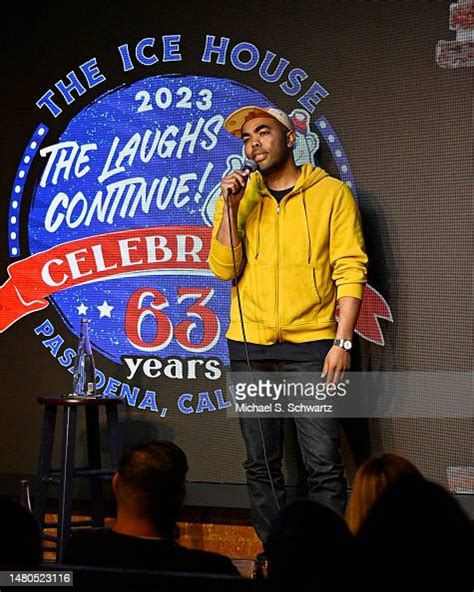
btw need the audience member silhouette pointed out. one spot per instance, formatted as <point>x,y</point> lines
<point>418,532</point>
<point>149,487</point>
<point>21,539</point>
<point>370,481</point>
<point>308,540</point>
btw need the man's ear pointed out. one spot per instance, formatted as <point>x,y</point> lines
<point>291,139</point>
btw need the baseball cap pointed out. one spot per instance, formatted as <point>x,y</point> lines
<point>236,120</point>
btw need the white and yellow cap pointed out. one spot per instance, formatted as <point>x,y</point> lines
<point>236,120</point>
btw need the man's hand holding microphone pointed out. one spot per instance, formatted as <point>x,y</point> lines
<point>233,187</point>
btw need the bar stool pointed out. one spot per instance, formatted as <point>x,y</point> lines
<point>64,476</point>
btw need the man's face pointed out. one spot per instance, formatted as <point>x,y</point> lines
<point>268,143</point>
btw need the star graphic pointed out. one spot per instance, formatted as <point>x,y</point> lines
<point>105,310</point>
<point>82,309</point>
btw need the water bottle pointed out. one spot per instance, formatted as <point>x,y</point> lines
<point>83,381</point>
<point>24,497</point>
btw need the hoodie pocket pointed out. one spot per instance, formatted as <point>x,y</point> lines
<point>257,295</point>
<point>299,296</point>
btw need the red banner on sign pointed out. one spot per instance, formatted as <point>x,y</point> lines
<point>374,307</point>
<point>97,258</point>
<point>129,252</point>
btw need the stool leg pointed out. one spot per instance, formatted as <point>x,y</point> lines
<point>66,479</point>
<point>44,464</point>
<point>113,431</point>
<point>94,462</point>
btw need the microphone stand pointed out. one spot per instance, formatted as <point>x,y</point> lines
<point>247,357</point>
<point>235,282</point>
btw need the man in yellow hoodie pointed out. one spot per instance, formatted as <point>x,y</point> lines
<point>298,250</point>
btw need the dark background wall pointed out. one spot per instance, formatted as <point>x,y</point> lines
<point>405,126</point>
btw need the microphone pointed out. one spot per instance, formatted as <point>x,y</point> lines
<point>249,166</point>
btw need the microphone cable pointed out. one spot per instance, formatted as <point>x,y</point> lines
<point>251,166</point>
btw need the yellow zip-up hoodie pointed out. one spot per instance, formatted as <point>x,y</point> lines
<point>295,260</point>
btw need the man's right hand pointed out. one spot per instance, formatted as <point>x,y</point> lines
<point>233,187</point>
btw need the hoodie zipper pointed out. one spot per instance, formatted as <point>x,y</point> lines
<point>277,267</point>
<point>277,282</point>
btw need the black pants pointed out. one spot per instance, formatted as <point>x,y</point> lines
<point>318,440</point>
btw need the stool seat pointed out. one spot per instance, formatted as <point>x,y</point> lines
<point>63,477</point>
<point>81,401</point>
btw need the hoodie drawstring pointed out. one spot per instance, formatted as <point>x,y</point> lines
<point>308,234</point>
<point>260,212</point>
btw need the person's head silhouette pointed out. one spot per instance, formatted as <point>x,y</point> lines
<point>149,487</point>
<point>306,538</point>
<point>21,548</point>
<point>370,481</point>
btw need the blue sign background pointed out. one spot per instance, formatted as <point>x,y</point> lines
<point>122,113</point>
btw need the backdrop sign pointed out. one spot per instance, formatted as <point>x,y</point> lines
<point>118,220</point>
